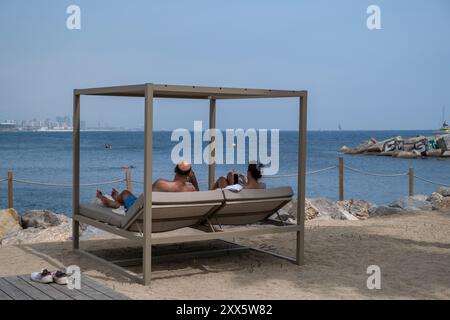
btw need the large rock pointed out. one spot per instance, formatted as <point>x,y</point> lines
<point>289,211</point>
<point>408,154</point>
<point>42,219</point>
<point>444,191</point>
<point>329,210</point>
<point>384,211</point>
<point>417,202</point>
<point>391,144</point>
<point>9,222</point>
<point>434,153</point>
<point>443,142</point>
<point>62,232</point>
<point>311,212</point>
<point>357,208</point>
<point>439,202</point>
<point>40,226</point>
<point>363,147</point>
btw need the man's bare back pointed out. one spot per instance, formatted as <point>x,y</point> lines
<point>163,185</point>
<point>184,180</point>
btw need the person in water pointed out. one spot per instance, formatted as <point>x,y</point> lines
<point>249,182</point>
<point>184,181</point>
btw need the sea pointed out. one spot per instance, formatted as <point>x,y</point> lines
<point>46,157</point>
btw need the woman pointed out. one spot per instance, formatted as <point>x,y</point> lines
<point>251,182</point>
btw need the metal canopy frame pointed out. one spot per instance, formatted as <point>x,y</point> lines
<point>149,91</point>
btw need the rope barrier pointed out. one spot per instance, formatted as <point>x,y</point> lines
<point>201,181</point>
<point>296,174</point>
<point>280,176</point>
<point>432,182</point>
<point>68,185</point>
<point>272,176</point>
<point>376,174</point>
<point>321,170</point>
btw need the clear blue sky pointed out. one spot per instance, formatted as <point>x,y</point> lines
<point>394,78</point>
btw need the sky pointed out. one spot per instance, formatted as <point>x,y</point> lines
<point>397,77</point>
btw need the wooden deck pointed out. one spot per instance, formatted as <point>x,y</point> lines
<point>22,288</point>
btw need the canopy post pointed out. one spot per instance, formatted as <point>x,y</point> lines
<point>300,247</point>
<point>76,172</point>
<point>212,153</point>
<point>148,166</point>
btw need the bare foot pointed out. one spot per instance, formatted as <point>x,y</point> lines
<point>114,194</point>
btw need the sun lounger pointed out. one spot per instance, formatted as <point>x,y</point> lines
<point>176,210</point>
<point>251,206</point>
<point>170,211</point>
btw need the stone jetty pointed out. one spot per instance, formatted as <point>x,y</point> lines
<point>409,148</point>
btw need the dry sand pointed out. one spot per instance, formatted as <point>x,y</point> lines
<point>412,250</point>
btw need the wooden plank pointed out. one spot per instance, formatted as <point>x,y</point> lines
<point>24,286</point>
<point>10,190</point>
<point>189,92</point>
<point>106,227</point>
<point>242,232</point>
<point>341,179</point>
<point>301,179</point>
<point>212,154</point>
<point>114,295</point>
<point>94,294</point>
<point>148,167</point>
<point>12,291</point>
<point>49,290</point>
<point>76,171</point>
<point>4,296</point>
<point>73,293</point>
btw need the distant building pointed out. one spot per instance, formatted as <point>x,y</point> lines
<point>8,126</point>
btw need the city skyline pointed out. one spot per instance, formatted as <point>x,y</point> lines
<point>59,123</point>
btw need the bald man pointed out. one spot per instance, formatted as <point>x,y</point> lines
<point>184,180</point>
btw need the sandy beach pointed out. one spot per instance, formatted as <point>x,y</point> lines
<point>412,250</point>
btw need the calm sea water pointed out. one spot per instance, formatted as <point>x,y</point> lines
<point>47,157</point>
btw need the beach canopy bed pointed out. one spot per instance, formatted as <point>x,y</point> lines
<point>155,213</point>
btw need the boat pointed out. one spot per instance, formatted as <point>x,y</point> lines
<point>445,128</point>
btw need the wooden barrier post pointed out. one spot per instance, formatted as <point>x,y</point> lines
<point>128,180</point>
<point>411,181</point>
<point>341,179</point>
<point>10,190</point>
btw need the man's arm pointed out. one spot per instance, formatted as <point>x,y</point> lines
<point>193,180</point>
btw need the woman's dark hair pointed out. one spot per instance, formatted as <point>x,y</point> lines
<point>255,170</point>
